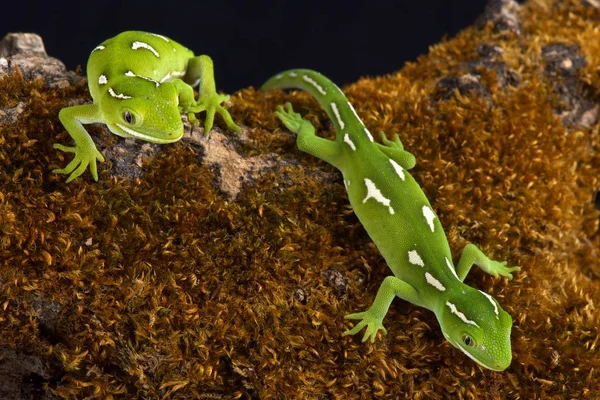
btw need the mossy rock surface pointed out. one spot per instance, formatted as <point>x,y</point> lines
<point>223,268</point>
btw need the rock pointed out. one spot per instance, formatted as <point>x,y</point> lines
<point>503,15</point>
<point>22,376</point>
<point>26,52</point>
<point>562,65</point>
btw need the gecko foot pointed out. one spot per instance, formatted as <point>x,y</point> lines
<point>499,268</point>
<point>212,105</point>
<point>291,119</point>
<point>369,320</point>
<point>394,143</point>
<point>84,156</point>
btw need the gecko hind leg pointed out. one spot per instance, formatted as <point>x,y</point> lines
<point>307,140</point>
<point>395,150</point>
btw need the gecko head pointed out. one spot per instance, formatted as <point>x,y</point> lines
<point>143,110</point>
<point>475,323</point>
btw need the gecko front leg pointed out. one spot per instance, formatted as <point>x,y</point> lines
<point>85,150</point>
<point>372,319</point>
<point>471,255</point>
<point>200,69</point>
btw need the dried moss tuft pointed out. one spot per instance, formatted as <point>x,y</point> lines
<point>160,287</point>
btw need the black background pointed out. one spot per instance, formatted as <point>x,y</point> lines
<point>250,41</point>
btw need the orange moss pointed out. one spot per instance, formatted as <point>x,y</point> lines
<point>167,290</point>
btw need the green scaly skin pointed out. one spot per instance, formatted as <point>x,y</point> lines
<point>399,219</point>
<point>140,83</point>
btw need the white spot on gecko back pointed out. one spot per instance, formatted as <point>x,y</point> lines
<point>131,74</point>
<point>141,45</point>
<point>118,95</point>
<point>491,299</point>
<point>293,74</point>
<point>171,75</point>
<point>98,48</point>
<point>429,216</point>
<point>415,259</point>
<point>434,282</point>
<point>460,315</point>
<point>374,193</point>
<point>399,170</point>
<point>102,79</point>
<point>349,141</point>
<point>315,84</point>
<point>166,39</point>
<point>337,115</point>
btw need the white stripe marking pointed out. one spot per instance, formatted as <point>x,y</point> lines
<point>130,73</point>
<point>354,112</point>
<point>171,75</point>
<point>337,115</point>
<point>434,282</point>
<point>415,259</point>
<point>460,315</point>
<point>141,45</point>
<point>293,74</point>
<point>491,299</point>
<point>144,136</point>
<point>359,120</point>
<point>134,133</point>
<point>429,216</point>
<point>118,95</point>
<point>398,169</point>
<point>374,193</point>
<point>166,39</point>
<point>315,84</point>
<point>279,76</point>
<point>98,48</point>
<point>349,142</point>
<point>449,264</point>
<point>102,79</point>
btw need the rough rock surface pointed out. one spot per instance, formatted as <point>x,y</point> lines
<point>26,52</point>
<point>222,267</point>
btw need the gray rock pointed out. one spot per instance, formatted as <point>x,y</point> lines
<point>26,52</point>
<point>563,63</point>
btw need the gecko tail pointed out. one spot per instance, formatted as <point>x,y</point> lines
<point>329,96</point>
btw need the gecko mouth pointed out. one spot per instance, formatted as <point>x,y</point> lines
<point>149,138</point>
<point>494,367</point>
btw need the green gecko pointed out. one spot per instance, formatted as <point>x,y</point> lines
<point>399,219</point>
<point>140,82</point>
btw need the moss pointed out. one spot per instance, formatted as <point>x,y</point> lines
<point>164,289</point>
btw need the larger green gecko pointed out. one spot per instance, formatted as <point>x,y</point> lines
<point>399,219</point>
<point>140,82</point>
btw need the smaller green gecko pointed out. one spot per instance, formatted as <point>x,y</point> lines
<point>139,83</point>
<point>399,219</point>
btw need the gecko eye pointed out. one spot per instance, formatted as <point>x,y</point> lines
<point>468,341</point>
<point>127,116</point>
